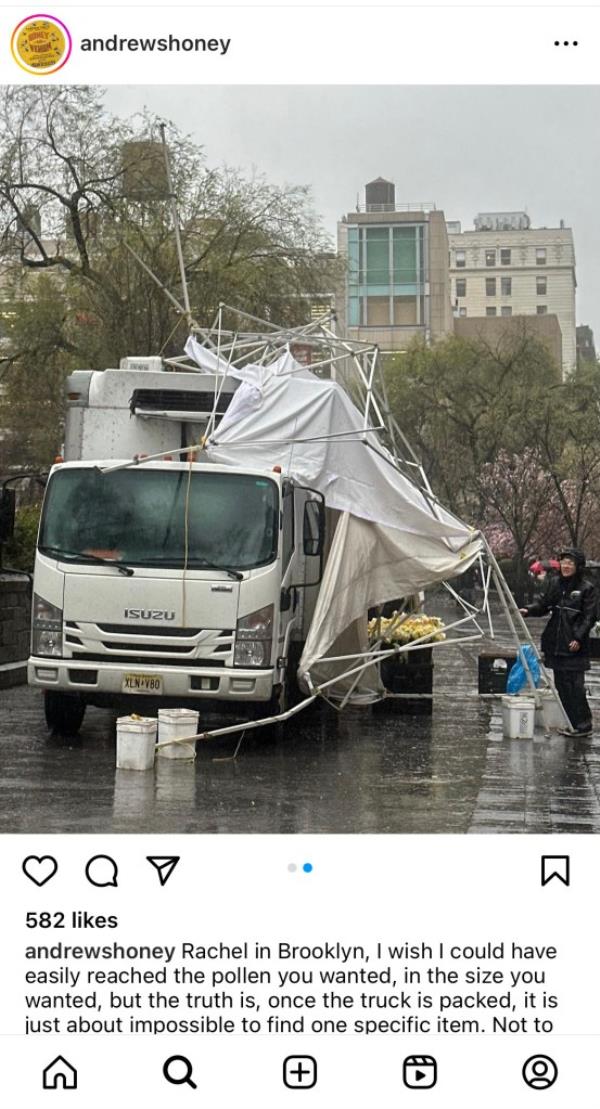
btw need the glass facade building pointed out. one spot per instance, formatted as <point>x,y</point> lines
<point>387,274</point>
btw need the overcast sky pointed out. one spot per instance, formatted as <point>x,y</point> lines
<point>467,149</point>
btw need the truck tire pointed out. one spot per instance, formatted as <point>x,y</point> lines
<point>64,711</point>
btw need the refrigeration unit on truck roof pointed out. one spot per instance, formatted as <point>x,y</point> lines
<point>121,412</point>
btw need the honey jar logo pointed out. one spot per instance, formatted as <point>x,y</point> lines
<point>41,44</point>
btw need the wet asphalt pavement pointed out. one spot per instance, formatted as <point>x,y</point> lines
<point>358,771</point>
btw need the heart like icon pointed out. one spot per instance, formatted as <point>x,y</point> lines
<point>40,868</point>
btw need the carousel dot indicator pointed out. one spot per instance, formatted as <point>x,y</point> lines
<point>292,868</point>
<point>307,868</point>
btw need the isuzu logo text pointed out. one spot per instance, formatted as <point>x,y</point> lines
<point>148,614</point>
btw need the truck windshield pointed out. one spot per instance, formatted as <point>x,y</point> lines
<point>148,517</point>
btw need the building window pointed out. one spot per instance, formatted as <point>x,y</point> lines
<point>490,286</point>
<point>405,311</point>
<point>461,259</point>
<point>506,310</point>
<point>490,311</point>
<point>542,309</point>
<point>462,311</point>
<point>490,257</point>
<point>540,255</point>
<point>377,311</point>
<point>541,286</point>
<point>461,287</point>
<point>376,257</point>
<point>505,257</point>
<point>506,286</point>
<point>386,275</point>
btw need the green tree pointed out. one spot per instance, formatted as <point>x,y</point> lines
<point>505,441</point>
<point>463,402</point>
<point>79,191</point>
<point>19,551</point>
<point>32,396</point>
<point>572,457</point>
<point>78,186</point>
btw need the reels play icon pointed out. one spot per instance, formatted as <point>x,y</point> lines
<point>419,1072</point>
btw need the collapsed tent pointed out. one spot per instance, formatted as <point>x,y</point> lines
<point>392,538</point>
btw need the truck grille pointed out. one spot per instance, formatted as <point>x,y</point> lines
<point>140,644</point>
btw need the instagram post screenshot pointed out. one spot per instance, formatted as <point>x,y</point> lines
<point>299,556</point>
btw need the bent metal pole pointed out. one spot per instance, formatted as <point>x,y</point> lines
<point>173,201</point>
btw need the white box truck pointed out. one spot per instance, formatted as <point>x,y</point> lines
<point>171,580</point>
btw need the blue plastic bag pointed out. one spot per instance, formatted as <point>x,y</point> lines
<point>517,679</point>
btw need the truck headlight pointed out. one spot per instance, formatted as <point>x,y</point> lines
<point>46,628</point>
<point>254,638</point>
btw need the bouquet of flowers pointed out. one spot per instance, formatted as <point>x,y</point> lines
<point>399,629</point>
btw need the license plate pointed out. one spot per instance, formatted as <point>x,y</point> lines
<point>142,683</point>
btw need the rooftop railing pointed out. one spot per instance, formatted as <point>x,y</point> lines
<point>409,206</point>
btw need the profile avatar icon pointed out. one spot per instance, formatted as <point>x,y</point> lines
<point>540,1072</point>
<point>41,44</point>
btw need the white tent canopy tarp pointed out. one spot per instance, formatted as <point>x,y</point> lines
<point>369,564</point>
<point>392,539</point>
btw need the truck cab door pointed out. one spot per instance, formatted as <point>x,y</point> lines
<point>289,595</point>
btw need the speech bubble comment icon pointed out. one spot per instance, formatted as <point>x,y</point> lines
<point>101,870</point>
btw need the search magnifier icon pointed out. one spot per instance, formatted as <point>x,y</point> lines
<point>178,1070</point>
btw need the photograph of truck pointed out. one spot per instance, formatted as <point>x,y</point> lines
<point>287,479</point>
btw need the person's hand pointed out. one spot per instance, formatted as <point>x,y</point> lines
<point>524,611</point>
<point>574,645</point>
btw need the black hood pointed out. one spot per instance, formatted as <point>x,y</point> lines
<point>577,556</point>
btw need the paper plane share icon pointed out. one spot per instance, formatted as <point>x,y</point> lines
<point>164,866</point>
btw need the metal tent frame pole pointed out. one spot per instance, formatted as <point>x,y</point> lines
<point>262,347</point>
<point>515,620</point>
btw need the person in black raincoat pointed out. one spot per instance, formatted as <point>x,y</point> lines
<point>571,599</point>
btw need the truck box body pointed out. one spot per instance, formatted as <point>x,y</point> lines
<point>120,413</point>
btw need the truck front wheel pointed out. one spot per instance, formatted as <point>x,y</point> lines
<point>64,711</point>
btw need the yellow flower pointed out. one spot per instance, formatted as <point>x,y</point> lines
<point>394,629</point>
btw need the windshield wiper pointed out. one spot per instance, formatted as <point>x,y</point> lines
<point>60,552</point>
<point>195,563</point>
<point>204,565</point>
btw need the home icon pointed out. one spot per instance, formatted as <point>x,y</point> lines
<point>59,1073</point>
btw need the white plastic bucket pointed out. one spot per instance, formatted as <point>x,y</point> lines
<point>518,717</point>
<point>550,715</point>
<point>136,741</point>
<point>177,724</point>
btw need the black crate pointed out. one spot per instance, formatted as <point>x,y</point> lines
<point>410,672</point>
<point>493,670</point>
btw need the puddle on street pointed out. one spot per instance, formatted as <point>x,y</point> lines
<point>356,771</point>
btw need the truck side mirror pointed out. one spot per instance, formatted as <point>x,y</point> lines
<point>313,531</point>
<point>7,513</point>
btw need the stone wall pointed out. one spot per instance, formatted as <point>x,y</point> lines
<point>15,614</point>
